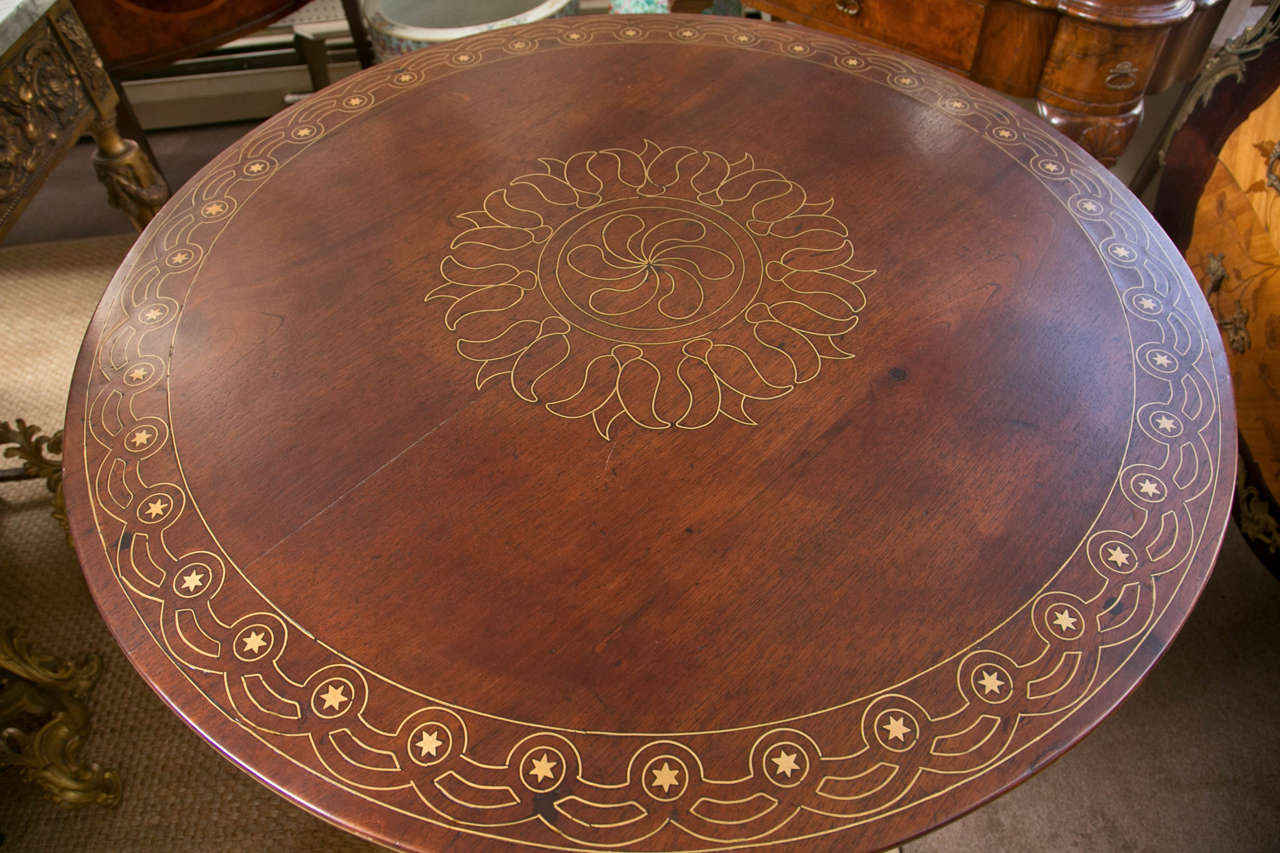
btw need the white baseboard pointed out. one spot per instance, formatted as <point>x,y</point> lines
<point>225,96</point>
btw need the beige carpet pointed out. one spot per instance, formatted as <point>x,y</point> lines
<point>1190,763</point>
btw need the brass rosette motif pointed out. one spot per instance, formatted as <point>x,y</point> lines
<point>664,286</point>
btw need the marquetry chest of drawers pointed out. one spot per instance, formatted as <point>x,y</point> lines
<point>1088,63</point>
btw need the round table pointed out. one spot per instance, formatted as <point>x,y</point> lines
<point>670,433</point>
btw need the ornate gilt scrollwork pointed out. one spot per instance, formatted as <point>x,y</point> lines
<point>1273,168</point>
<point>1255,512</point>
<point>31,447</point>
<point>1230,61</point>
<point>1235,326</point>
<point>44,722</point>
<point>40,94</point>
<point>53,87</point>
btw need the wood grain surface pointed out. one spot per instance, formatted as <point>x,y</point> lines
<point>649,433</point>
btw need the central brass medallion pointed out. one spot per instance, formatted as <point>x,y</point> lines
<point>666,285</point>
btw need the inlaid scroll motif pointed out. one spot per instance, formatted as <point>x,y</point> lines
<point>666,286</point>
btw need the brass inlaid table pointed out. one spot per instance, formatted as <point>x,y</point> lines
<point>651,434</point>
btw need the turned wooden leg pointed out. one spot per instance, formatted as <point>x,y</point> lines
<point>133,184</point>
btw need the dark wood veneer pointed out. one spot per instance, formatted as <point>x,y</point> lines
<point>135,36</point>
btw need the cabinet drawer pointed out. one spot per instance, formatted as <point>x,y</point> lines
<point>944,31</point>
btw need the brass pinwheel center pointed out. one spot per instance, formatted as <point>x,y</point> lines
<point>650,271</point>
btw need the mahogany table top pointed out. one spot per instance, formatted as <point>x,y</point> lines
<point>665,433</point>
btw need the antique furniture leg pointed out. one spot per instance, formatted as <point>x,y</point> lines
<point>30,446</point>
<point>1256,513</point>
<point>43,717</point>
<point>355,20</point>
<point>132,181</point>
<point>133,184</point>
<point>44,722</point>
<point>53,88</point>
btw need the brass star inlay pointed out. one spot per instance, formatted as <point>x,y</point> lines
<point>140,438</point>
<point>254,642</point>
<point>255,168</point>
<point>154,314</point>
<point>665,777</point>
<point>334,697</point>
<point>991,682</point>
<point>214,208</point>
<point>429,743</point>
<point>1150,488</point>
<point>786,763</point>
<point>543,768</point>
<point>1117,555</point>
<point>1161,360</point>
<point>191,582</point>
<point>138,374</point>
<point>1164,423</point>
<point>897,729</point>
<point>157,507</point>
<point>1147,303</point>
<point>1064,620</point>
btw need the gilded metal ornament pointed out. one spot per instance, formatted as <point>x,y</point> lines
<point>1253,511</point>
<point>1231,60</point>
<point>44,722</point>
<point>31,447</point>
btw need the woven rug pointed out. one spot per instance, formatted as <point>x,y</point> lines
<point>1190,762</point>
<point>179,795</point>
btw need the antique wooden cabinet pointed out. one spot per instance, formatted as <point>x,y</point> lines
<point>1088,63</point>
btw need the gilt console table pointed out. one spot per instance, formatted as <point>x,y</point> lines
<point>660,433</point>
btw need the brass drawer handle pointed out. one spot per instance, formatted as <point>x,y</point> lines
<point>849,7</point>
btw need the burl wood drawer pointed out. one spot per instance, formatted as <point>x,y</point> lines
<point>946,31</point>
